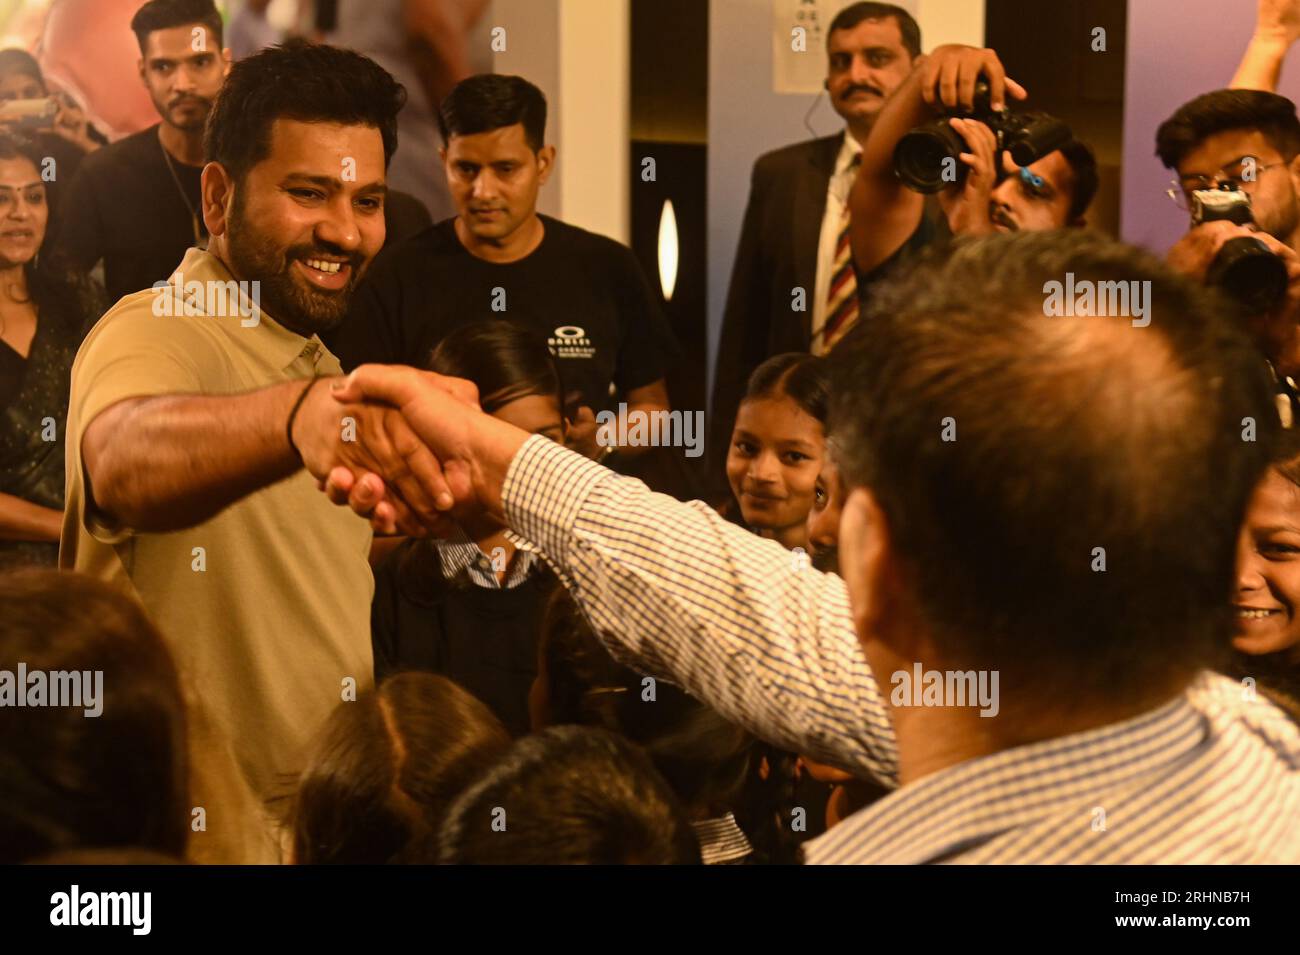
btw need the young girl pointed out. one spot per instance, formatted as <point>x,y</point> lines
<point>468,608</point>
<point>1266,604</point>
<point>777,446</point>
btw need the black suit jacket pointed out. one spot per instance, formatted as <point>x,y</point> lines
<point>777,253</point>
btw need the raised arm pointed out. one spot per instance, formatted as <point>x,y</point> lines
<point>1277,27</point>
<point>883,211</point>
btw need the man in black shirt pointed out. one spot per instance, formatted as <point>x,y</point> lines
<point>135,204</point>
<point>500,259</point>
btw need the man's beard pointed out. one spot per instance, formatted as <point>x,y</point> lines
<point>296,305</point>
<point>168,112</point>
<point>1281,224</point>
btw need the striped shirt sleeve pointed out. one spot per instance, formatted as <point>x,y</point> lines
<point>676,591</point>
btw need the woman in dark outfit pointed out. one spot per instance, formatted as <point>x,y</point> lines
<point>43,317</point>
<point>469,608</point>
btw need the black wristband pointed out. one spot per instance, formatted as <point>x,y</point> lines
<point>288,425</point>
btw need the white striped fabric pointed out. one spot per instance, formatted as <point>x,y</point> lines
<point>675,590</point>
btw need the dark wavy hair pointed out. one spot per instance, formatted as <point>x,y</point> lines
<point>386,768</point>
<point>72,782</point>
<point>1222,110</point>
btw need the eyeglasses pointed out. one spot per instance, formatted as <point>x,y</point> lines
<point>1181,189</point>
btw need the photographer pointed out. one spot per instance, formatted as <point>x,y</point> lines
<point>990,194</point>
<point>1243,144</point>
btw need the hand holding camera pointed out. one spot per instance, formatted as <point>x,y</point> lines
<point>969,83</point>
<point>1224,249</point>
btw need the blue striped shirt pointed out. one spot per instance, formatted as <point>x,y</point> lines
<point>1213,776</point>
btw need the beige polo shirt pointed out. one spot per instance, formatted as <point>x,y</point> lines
<point>266,605</point>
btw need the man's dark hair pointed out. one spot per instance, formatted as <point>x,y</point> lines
<point>166,14</point>
<point>488,101</point>
<point>73,781</point>
<point>1083,164</point>
<point>1223,110</point>
<point>1077,440</point>
<point>570,795</point>
<point>311,83</point>
<point>855,13</point>
<point>387,767</point>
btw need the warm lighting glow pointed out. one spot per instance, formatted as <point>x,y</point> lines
<point>668,250</point>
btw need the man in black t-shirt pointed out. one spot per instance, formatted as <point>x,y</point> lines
<point>500,259</point>
<point>134,205</point>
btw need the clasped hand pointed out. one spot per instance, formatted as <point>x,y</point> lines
<point>356,440</point>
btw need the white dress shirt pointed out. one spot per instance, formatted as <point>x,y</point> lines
<point>674,590</point>
<point>837,200</point>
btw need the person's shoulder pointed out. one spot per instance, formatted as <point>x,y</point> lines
<point>587,242</point>
<point>125,153</point>
<point>796,154</point>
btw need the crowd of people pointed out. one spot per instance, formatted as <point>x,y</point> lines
<point>317,544</point>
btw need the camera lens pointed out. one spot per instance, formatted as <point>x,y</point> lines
<point>1250,273</point>
<point>919,158</point>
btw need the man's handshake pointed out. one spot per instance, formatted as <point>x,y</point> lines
<point>405,448</point>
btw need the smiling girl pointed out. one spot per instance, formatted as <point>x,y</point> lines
<point>777,446</point>
<point>1266,603</point>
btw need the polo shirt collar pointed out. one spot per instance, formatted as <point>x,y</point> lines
<point>964,806</point>
<point>282,346</point>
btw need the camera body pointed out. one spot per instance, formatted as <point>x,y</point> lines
<point>928,160</point>
<point>1245,268</point>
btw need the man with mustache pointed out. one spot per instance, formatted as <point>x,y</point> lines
<point>794,235</point>
<point>198,425</point>
<point>134,205</point>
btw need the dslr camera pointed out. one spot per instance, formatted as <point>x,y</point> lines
<point>1245,268</point>
<point>927,158</point>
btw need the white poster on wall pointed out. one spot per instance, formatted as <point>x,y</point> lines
<point>799,43</point>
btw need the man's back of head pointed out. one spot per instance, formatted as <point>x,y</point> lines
<point>1062,491</point>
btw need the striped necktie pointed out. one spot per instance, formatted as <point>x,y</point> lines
<point>842,295</point>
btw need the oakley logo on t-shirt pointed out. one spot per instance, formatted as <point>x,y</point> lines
<point>571,341</point>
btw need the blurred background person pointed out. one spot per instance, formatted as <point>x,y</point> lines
<point>385,770</point>
<point>114,781</point>
<point>134,205</point>
<point>467,607</point>
<point>60,130</point>
<point>710,764</point>
<point>86,47</point>
<point>1266,604</point>
<point>44,313</point>
<point>569,795</point>
<point>429,46</point>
